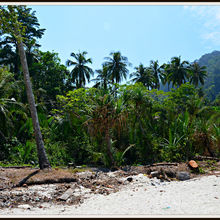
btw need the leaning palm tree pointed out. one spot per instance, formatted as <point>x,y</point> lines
<point>117,67</point>
<point>9,24</point>
<point>81,72</point>
<point>197,74</point>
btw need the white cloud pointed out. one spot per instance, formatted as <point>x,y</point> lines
<point>185,6</point>
<point>213,36</point>
<point>209,18</point>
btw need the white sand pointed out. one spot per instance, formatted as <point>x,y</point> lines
<point>199,196</point>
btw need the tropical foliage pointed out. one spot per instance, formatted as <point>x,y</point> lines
<point>117,67</point>
<point>162,113</point>
<point>81,72</point>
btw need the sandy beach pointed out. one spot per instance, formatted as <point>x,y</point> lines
<point>141,197</point>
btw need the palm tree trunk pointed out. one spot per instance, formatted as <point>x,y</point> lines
<point>208,145</point>
<point>109,152</point>
<point>43,160</point>
<point>105,85</point>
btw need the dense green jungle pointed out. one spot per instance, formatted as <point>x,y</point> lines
<point>107,117</point>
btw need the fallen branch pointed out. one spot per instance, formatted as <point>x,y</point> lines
<point>26,178</point>
<point>51,181</point>
<point>162,164</point>
<point>17,167</point>
<point>206,158</point>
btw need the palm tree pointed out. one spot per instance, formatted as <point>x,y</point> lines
<point>164,75</point>
<point>156,70</point>
<point>197,74</point>
<point>102,78</point>
<point>10,25</point>
<point>104,117</point>
<point>139,75</point>
<point>43,160</point>
<point>81,71</point>
<point>9,50</point>
<point>177,71</point>
<point>143,75</point>
<point>117,67</point>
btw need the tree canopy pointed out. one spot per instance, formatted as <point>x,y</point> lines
<point>158,112</point>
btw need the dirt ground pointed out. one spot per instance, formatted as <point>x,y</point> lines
<point>20,186</point>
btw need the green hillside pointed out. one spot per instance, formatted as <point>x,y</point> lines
<point>212,83</point>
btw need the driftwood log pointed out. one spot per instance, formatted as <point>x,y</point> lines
<point>206,158</point>
<point>23,181</point>
<point>162,164</point>
<point>16,167</point>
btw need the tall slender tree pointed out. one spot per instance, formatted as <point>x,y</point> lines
<point>197,74</point>
<point>177,71</point>
<point>139,75</point>
<point>9,54</point>
<point>117,67</point>
<point>164,75</point>
<point>10,25</point>
<point>143,75</point>
<point>156,71</point>
<point>81,71</point>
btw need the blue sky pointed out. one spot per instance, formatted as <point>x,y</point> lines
<point>140,32</point>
